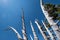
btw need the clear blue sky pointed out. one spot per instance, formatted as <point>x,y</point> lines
<point>10,15</point>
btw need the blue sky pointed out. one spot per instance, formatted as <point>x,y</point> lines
<point>10,15</point>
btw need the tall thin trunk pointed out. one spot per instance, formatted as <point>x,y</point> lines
<point>50,20</point>
<point>23,27</point>
<point>48,31</point>
<point>35,36</point>
<point>18,35</point>
<point>39,27</point>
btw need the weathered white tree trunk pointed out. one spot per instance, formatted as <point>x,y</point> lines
<point>18,35</point>
<point>35,36</point>
<point>23,27</point>
<point>50,20</point>
<point>39,27</point>
<point>52,38</point>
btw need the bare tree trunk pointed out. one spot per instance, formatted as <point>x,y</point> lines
<point>50,20</point>
<point>18,35</point>
<point>35,36</point>
<point>39,27</point>
<point>48,31</point>
<point>23,27</point>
